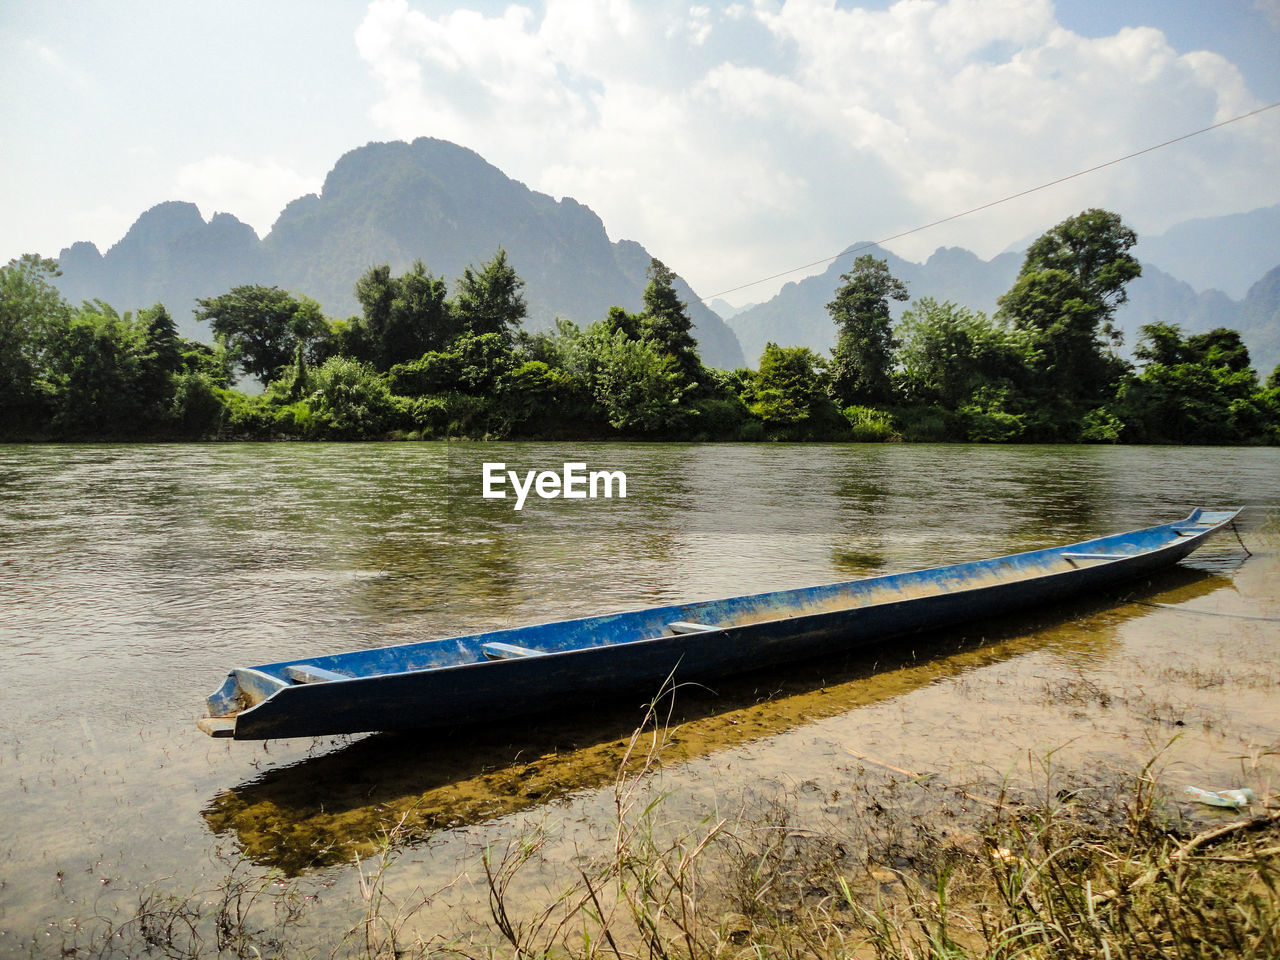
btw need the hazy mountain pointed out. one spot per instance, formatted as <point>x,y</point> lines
<point>1259,322</point>
<point>798,316</point>
<point>725,309</point>
<point>397,202</point>
<point>386,203</point>
<point>171,256</point>
<point>1225,253</point>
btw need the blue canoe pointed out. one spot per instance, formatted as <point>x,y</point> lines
<point>506,673</point>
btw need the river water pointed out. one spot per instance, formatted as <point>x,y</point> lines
<point>132,577</point>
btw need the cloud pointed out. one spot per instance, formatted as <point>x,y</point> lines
<point>254,192</point>
<point>737,141</point>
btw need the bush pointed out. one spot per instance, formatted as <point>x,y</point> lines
<point>869,425</point>
<point>295,419</point>
<point>928,424</point>
<point>198,405</point>
<point>246,417</point>
<point>450,414</point>
<point>988,420</point>
<point>350,401</point>
<point>720,418</point>
<point>1100,426</point>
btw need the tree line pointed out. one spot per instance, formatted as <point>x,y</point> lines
<point>419,363</point>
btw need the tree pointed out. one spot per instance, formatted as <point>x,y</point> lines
<point>1220,348</point>
<point>639,387</point>
<point>1072,280</point>
<point>1161,343</point>
<point>948,352</point>
<point>1065,351</point>
<point>665,321</point>
<point>1199,389</point>
<point>790,390</point>
<point>94,372</point>
<point>1093,247</point>
<point>261,327</point>
<point>159,362</point>
<point>490,301</point>
<point>33,315</point>
<point>863,354</point>
<point>404,317</point>
<point>207,360</point>
<point>631,325</point>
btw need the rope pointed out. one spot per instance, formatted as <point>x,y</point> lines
<point>1247,551</point>
<point>1206,613</point>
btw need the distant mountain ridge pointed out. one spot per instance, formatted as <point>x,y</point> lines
<point>386,203</point>
<point>430,199</point>
<point>1226,253</point>
<point>797,314</point>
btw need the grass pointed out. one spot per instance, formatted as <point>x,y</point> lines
<point>1090,872</point>
<point>1065,869</point>
<point>244,914</point>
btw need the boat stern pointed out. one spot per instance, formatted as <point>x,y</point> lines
<point>244,688</point>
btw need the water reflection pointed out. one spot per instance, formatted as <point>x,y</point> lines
<point>324,809</point>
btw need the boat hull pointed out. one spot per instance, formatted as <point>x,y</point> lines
<point>454,681</point>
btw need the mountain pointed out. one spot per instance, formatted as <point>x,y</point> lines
<point>797,314</point>
<point>1259,322</point>
<point>170,255</point>
<point>1224,253</point>
<point>726,309</point>
<point>386,203</point>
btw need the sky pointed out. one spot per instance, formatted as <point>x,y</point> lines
<point>735,141</point>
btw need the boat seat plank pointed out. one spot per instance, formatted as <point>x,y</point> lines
<point>508,651</point>
<point>306,673</point>
<point>1096,556</point>
<point>684,626</point>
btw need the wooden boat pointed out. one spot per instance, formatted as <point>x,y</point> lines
<point>504,673</point>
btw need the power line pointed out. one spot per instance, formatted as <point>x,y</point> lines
<point>993,203</point>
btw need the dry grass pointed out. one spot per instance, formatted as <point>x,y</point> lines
<point>1092,872</point>
<point>1065,870</point>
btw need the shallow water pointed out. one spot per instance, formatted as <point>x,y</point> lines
<point>133,577</point>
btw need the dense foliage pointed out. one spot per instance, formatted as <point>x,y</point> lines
<point>419,363</point>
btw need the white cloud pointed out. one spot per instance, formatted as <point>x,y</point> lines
<point>254,192</point>
<point>735,142</point>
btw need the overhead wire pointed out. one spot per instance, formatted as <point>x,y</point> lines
<point>994,203</point>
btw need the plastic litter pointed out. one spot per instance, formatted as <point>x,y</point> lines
<point>1234,799</point>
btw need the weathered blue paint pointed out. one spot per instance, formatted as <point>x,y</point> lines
<point>452,681</point>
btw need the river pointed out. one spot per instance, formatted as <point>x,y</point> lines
<point>132,577</point>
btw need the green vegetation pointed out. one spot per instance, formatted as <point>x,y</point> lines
<point>418,363</point>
